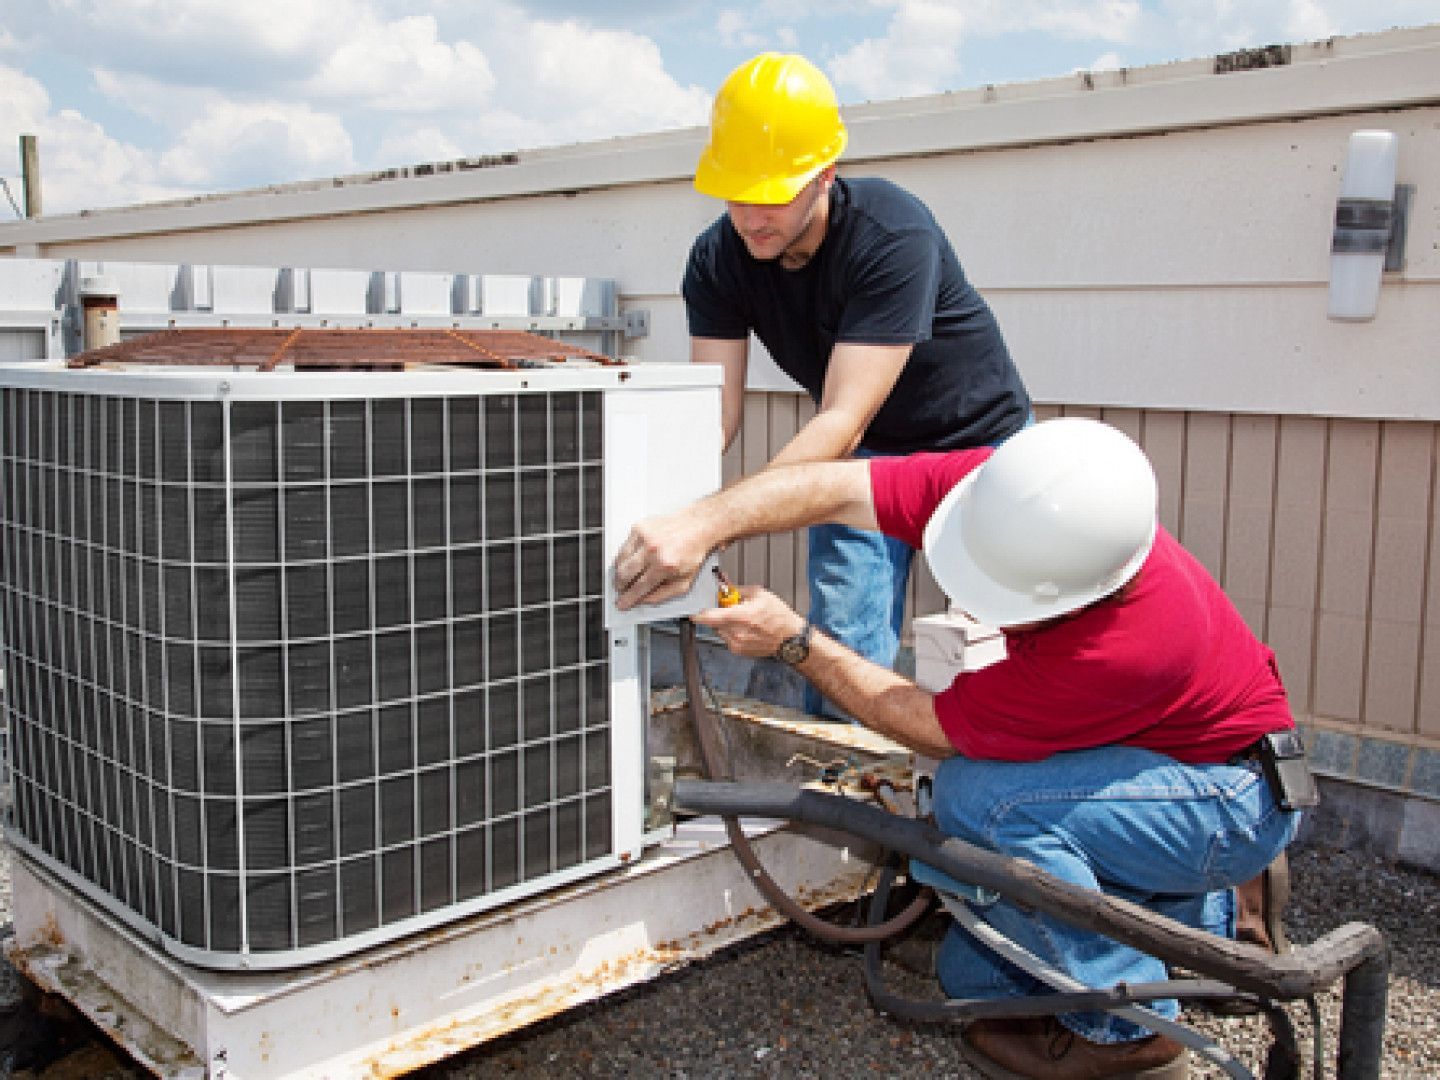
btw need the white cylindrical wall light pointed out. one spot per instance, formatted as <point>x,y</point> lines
<point>1364,215</point>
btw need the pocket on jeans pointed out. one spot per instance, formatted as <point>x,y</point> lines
<point>1259,831</point>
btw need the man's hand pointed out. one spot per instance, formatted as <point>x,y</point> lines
<point>659,559</point>
<point>754,627</point>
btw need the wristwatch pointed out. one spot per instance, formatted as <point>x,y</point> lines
<point>794,650</point>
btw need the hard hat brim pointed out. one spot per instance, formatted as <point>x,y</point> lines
<point>719,182</point>
<point>771,191</point>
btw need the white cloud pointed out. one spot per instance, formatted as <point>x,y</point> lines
<point>566,81</point>
<point>163,103</point>
<point>1307,19</point>
<point>409,145</point>
<point>83,166</point>
<point>26,101</point>
<point>241,145</point>
<point>1198,27</point>
<point>919,54</point>
<point>1107,20</point>
<point>235,95</point>
<point>186,38</point>
<point>1203,26</point>
<point>925,42</point>
<point>737,29</point>
<point>402,66</point>
<point>79,164</point>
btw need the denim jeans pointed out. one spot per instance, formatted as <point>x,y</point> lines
<point>1135,824</point>
<point>857,595</point>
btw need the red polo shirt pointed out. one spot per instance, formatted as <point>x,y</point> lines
<point>1170,667</point>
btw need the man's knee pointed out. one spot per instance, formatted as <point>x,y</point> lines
<point>968,794</point>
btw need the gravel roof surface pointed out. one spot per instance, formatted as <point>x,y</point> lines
<point>787,1007</point>
<point>784,1006</point>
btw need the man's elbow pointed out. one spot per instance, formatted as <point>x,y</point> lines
<point>847,430</point>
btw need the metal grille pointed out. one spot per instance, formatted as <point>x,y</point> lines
<point>286,674</point>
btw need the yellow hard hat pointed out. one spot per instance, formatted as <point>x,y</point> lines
<point>774,125</point>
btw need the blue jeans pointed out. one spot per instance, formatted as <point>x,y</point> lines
<point>857,595</point>
<point>1131,823</point>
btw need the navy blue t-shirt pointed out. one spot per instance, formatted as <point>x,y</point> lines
<point>885,274</point>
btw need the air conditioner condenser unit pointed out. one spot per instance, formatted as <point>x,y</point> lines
<point>298,662</point>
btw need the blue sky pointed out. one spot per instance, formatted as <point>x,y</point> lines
<point>137,100</point>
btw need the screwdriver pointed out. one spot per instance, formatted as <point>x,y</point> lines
<point>727,595</point>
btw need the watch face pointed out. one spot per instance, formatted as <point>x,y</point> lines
<point>793,651</point>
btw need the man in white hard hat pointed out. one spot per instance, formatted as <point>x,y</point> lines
<point>856,293</point>
<point>1125,743</point>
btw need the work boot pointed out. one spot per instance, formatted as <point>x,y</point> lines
<point>1042,1048</point>
<point>1260,907</point>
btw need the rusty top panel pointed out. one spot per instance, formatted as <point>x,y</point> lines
<point>337,349</point>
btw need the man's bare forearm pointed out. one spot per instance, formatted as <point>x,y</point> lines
<point>886,703</point>
<point>785,497</point>
<point>828,436</point>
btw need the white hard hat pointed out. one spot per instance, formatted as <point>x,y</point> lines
<point>1062,514</point>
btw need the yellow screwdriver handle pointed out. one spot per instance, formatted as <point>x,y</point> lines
<point>727,595</point>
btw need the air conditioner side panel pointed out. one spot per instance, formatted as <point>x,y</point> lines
<point>662,452</point>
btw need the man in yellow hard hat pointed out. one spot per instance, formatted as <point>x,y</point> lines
<point>856,293</point>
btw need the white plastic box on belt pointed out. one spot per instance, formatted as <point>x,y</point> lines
<point>945,645</point>
<point>949,643</point>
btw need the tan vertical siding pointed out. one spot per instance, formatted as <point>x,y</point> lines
<point>804,410</point>
<point>1130,421</point>
<point>1428,710</point>
<point>732,467</point>
<point>1163,439</point>
<point>1346,559</point>
<point>782,566</point>
<point>1403,513</point>
<point>1204,488</point>
<point>1047,412</point>
<point>1250,517</point>
<point>778,562</point>
<point>925,597</point>
<point>1295,573</point>
<point>755,454</point>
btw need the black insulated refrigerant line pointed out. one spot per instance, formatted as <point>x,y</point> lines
<point>1356,952</point>
<point>712,761</point>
